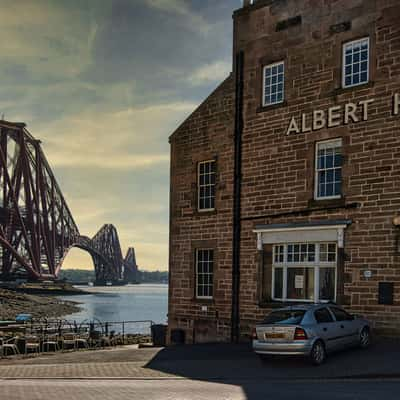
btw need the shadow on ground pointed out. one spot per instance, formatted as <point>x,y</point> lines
<point>238,365</point>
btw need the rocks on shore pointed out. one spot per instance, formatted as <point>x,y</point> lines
<point>13,303</point>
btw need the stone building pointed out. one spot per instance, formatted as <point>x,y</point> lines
<point>285,182</point>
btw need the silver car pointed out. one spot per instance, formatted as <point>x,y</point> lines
<point>311,330</point>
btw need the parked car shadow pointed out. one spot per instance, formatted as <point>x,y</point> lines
<point>238,365</point>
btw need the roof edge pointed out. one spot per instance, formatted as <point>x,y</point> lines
<point>200,105</point>
<point>247,9</point>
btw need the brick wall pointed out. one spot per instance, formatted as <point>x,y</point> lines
<point>207,134</point>
<point>278,169</point>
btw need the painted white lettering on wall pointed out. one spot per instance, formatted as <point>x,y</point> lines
<point>350,110</point>
<point>319,120</point>
<point>293,127</point>
<point>365,104</point>
<point>337,115</point>
<point>334,116</point>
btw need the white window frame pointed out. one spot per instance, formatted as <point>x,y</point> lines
<point>197,274</point>
<point>283,84</point>
<point>345,45</point>
<point>316,180</point>
<point>316,265</point>
<point>198,186</point>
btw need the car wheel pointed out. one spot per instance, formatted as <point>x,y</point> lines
<point>365,338</point>
<point>318,353</point>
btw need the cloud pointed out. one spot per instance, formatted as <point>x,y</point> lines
<point>210,73</point>
<point>182,9</point>
<point>57,30</point>
<point>103,84</point>
<point>127,139</point>
<point>106,160</point>
<point>167,42</point>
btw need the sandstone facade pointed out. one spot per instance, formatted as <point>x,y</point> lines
<point>279,169</point>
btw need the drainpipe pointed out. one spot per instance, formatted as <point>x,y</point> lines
<point>235,318</point>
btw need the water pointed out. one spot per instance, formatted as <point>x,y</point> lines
<point>122,303</point>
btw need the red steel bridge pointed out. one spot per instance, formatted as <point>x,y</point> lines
<point>37,228</point>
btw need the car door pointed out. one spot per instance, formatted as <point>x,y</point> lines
<point>325,327</point>
<point>344,326</point>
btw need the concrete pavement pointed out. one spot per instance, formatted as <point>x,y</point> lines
<point>223,362</point>
<point>195,390</point>
<point>221,371</point>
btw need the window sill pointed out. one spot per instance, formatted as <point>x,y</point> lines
<point>203,301</point>
<point>343,90</point>
<point>271,107</point>
<point>328,203</point>
<point>205,212</point>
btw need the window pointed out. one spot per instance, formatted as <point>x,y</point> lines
<point>323,316</point>
<point>301,252</point>
<point>304,272</point>
<point>278,254</point>
<point>328,171</point>
<point>288,317</point>
<point>356,62</point>
<point>206,185</point>
<point>273,86</point>
<point>327,252</point>
<point>204,273</point>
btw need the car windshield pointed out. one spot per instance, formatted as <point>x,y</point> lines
<point>285,317</point>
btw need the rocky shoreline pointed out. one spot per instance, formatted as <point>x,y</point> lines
<point>13,303</point>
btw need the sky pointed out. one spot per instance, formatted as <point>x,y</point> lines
<point>103,84</point>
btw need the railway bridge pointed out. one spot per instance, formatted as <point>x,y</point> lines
<point>37,228</point>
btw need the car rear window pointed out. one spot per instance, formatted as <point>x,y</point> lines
<point>285,317</point>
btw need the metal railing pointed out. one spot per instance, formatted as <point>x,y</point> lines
<point>127,331</point>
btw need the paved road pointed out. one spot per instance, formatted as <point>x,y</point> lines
<point>212,372</point>
<point>185,389</point>
<point>224,362</point>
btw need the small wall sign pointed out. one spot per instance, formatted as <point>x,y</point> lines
<point>367,274</point>
<point>299,282</point>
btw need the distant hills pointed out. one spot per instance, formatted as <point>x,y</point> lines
<point>82,275</point>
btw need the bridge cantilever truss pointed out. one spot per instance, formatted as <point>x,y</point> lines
<point>105,250</point>
<point>37,228</point>
<point>131,268</point>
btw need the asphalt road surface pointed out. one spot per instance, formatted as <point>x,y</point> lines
<point>179,389</point>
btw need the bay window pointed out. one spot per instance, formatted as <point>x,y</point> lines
<point>304,271</point>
